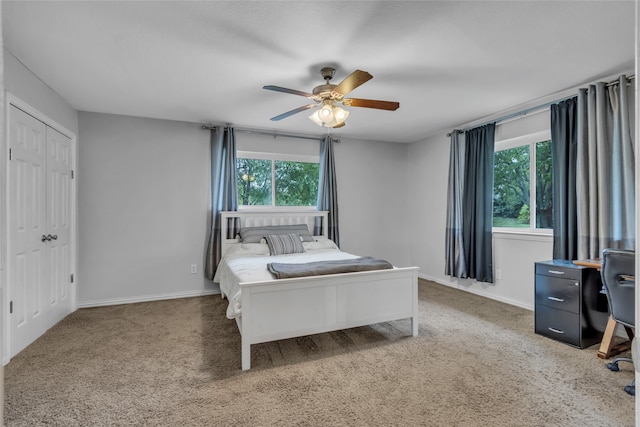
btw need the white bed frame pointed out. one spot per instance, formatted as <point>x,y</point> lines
<point>287,308</point>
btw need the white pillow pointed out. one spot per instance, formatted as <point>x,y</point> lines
<point>247,249</point>
<point>255,248</point>
<point>320,244</point>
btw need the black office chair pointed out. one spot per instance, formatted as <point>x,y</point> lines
<point>618,276</point>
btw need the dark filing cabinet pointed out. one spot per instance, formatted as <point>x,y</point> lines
<point>569,304</point>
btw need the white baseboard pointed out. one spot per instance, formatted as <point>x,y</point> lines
<point>476,292</point>
<point>147,298</point>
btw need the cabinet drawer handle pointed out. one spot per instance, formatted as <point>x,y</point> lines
<point>556,299</point>
<point>556,272</point>
<point>557,331</point>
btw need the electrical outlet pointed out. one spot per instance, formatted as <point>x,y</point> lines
<point>194,268</point>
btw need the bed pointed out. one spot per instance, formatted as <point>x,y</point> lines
<point>268,309</point>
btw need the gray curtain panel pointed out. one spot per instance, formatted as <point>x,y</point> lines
<point>623,158</point>
<point>328,188</point>
<point>455,263</point>
<point>477,202</point>
<point>224,191</point>
<point>605,170</point>
<point>563,155</point>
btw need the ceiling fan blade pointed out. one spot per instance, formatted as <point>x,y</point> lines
<point>292,112</point>
<point>371,103</point>
<point>291,91</point>
<point>352,81</point>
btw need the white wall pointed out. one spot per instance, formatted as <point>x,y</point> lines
<point>374,199</point>
<point>143,209</point>
<point>21,82</point>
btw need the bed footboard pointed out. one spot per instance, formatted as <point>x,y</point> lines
<point>288,308</point>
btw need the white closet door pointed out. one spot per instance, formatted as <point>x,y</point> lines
<point>58,225</point>
<point>39,208</point>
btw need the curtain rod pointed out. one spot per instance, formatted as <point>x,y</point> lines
<point>532,109</point>
<point>274,134</point>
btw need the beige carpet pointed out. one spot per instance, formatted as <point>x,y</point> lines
<point>476,362</point>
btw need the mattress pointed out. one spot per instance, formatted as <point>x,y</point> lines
<point>247,262</point>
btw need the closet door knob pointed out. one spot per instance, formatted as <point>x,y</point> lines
<point>54,237</point>
<point>44,238</point>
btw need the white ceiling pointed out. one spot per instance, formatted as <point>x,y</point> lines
<point>446,62</point>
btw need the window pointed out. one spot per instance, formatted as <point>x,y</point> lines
<point>522,191</point>
<point>277,180</point>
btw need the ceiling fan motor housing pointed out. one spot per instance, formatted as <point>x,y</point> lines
<point>324,91</point>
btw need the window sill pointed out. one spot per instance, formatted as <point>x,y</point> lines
<point>528,234</point>
<point>277,208</point>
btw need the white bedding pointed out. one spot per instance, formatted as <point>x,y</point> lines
<point>247,262</point>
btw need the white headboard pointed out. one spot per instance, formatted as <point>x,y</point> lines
<point>261,218</point>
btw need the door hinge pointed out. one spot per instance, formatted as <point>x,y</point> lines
<point>10,307</point>
<point>10,153</point>
<point>72,278</point>
<point>72,174</point>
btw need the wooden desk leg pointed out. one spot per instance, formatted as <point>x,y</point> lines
<point>607,339</point>
<point>607,349</point>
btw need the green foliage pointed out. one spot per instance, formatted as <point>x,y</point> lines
<point>544,182</point>
<point>524,215</point>
<point>511,181</point>
<point>296,183</point>
<point>508,222</point>
<point>254,182</point>
<point>511,191</point>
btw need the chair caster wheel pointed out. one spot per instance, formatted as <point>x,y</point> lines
<point>630,389</point>
<point>613,366</point>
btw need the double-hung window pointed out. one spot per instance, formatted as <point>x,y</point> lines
<point>522,188</point>
<point>268,180</point>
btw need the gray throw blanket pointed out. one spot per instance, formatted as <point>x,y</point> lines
<point>319,268</point>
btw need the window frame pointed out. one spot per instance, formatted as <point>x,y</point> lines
<point>273,157</point>
<point>531,140</point>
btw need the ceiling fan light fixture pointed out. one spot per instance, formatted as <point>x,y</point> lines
<point>338,115</point>
<point>326,113</point>
<point>315,118</point>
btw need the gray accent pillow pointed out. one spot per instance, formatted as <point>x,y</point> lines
<point>280,244</point>
<point>255,234</point>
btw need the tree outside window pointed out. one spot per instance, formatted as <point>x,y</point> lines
<point>254,182</point>
<point>544,188</point>
<point>522,199</point>
<point>271,182</point>
<point>511,189</point>
<point>296,183</point>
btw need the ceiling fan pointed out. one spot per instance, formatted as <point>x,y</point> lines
<point>327,95</point>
